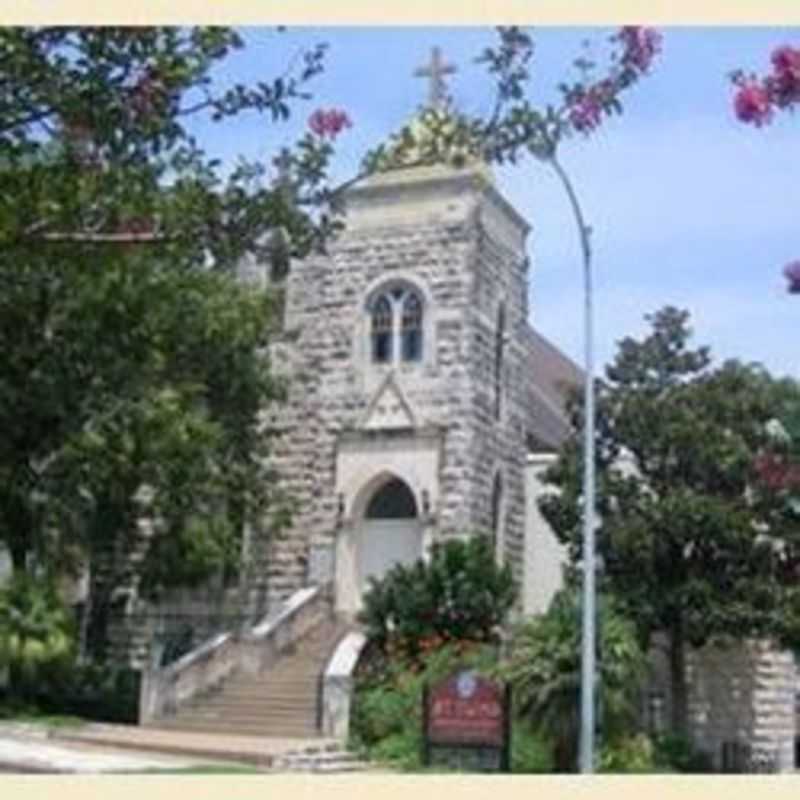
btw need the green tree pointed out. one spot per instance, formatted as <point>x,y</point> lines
<point>543,668</point>
<point>694,543</point>
<point>133,363</point>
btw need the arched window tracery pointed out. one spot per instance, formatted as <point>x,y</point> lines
<point>382,330</point>
<point>411,327</point>
<point>396,325</point>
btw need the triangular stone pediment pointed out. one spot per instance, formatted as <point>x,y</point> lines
<point>388,409</point>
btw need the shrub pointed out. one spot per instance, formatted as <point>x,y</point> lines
<point>36,631</point>
<point>531,752</point>
<point>386,718</point>
<point>460,594</point>
<point>91,691</point>
<point>629,754</point>
<point>544,671</point>
<point>679,754</point>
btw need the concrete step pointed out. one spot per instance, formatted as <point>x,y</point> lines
<point>281,671</point>
<point>277,723</point>
<point>308,714</point>
<point>302,713</point>
<point>261,682</point>
<point>220,728</point>
<point>239,711</point>
<point>270,701</point>
<point>266,686</point>
<point>283,702</point>
<point>254,749</point>
<point>245,711</point>
<point>329,761</point>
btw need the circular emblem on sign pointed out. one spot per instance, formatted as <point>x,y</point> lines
<point>465,684</point>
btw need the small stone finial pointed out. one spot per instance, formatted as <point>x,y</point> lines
<point>435,70</point>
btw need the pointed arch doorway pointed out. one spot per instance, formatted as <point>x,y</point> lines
<point>390,532</point>
<point>385,530</point>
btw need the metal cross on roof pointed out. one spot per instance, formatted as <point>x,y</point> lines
<point>436,70</point>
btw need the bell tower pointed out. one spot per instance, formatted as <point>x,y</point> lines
<point>405,344</point>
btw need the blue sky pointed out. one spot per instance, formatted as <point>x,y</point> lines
<point>688,206</point>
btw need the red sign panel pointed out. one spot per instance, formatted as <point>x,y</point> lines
<point>466,709</point>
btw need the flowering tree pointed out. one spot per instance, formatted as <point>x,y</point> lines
<point>516,127</point>
<point>757,99</point>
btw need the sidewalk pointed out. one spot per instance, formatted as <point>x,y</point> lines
<point>259,751</point>
<point>29,749</point>
<point>103,748</point>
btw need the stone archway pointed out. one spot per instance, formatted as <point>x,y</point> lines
<point>390,532</point>
<point>384,529</point>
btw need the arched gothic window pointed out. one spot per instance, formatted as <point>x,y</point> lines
<point>411,327</point>
<point>396,317</point>
<point>382,330</point>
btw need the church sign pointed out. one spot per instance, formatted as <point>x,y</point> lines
<point>466,720</point>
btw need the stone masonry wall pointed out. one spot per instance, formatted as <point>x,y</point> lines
<point>498,445</point>
<point>743,694</point>
<point>457,243</point>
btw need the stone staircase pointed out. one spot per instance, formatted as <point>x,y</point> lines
<point>328,758</point>
<point>282,703</point>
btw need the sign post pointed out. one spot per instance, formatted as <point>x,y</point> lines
<point>467,723</point>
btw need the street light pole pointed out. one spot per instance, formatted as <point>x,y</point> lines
<point>588,633</point>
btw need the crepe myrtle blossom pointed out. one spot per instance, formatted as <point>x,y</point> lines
<point>752,102</point>
<point>792,274</point>
<point>586,105</point>
<point>756,99</point>
<point>586,110</point>
<point>777,472</point>
<point>784,82</point>
<point>328,123</point>
<point>640,46</point>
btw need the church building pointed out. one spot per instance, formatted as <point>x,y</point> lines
<point>418,387</point>
<point>423,406</point>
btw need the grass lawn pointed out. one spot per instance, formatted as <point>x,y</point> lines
<point>202,769</point>
<point>33,717</point>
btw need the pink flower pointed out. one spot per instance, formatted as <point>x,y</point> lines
<point>328,123</point>
<point>753,102</point>
<point>586,113</point>
<point>786,60</point>
<point>792,274</point>
<point>640,46</point>
<point>784,83</point>
<point>586,109</point>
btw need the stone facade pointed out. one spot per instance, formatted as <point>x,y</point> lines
<point>741,704</point>
<point>453,424</point>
